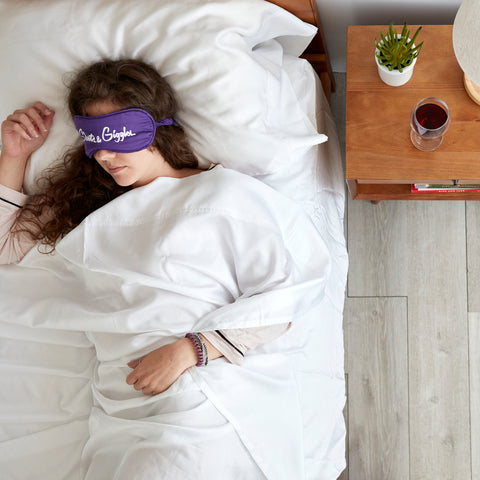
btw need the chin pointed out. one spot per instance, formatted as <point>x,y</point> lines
<point>123,182</point>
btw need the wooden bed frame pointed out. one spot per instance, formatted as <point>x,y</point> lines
<point>316,53</point>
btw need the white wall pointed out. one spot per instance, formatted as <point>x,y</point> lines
<point>337,14</point>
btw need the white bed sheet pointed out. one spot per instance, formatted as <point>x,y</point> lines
<point>46,399</point>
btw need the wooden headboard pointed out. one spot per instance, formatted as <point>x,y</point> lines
<point>316,53</point>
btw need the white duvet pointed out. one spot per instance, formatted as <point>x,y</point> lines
<point>215,250</point>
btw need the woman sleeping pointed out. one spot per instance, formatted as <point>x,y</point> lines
<point>166,267</point>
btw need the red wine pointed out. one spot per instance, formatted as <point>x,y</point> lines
<point>431,116</point>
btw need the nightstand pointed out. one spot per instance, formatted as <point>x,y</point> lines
<point>381,162</point>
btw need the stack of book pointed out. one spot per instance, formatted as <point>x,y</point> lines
<point>437,187</point>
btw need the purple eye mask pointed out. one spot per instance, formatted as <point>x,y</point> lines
<point>124,131</point>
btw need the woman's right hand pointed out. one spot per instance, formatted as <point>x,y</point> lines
<point>25,130</point>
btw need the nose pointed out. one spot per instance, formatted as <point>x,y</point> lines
<point>104,155</point>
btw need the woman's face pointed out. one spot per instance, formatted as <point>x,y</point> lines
<point>129,169</point>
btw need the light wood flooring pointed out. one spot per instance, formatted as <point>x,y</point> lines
<point>412,337</point>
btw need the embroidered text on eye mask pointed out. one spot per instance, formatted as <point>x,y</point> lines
<point>107,135</point>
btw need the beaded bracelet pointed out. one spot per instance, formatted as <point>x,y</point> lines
<point>200,348</point>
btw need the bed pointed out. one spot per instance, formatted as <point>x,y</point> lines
<point>253,80</point>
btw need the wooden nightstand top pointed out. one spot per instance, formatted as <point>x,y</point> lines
<point>378,146</point>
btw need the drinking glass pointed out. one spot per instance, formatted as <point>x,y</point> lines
<point>429,120</point>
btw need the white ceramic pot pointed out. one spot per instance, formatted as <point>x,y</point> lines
<point>395,78</point>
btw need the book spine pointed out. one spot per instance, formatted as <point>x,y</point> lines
<point>444,190</point>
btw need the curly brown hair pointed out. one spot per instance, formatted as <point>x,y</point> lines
<point>78,185</point>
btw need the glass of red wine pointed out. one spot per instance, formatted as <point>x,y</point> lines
<point>430,120</point>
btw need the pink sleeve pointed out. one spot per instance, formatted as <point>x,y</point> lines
<point>13,246</point>
<point>235,342</point>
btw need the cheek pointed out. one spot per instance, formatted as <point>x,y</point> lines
<point>99,162</point>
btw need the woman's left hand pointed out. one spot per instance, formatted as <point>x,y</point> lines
<point>156,371</point>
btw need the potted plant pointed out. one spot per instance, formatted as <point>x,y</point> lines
<point>396,55</point>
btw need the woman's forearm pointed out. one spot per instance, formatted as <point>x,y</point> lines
<point>12,171</point>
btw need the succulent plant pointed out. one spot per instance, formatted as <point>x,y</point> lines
<point>396,51</point>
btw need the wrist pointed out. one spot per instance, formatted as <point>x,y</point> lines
<point>212,351</point>
<point>200,348</point>
<point>12,170</point>
<point>19,160</point>
<point>189,356</point>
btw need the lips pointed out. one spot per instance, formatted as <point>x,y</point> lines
<point>113,170</point>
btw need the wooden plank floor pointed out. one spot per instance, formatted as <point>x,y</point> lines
<point>412,337</point>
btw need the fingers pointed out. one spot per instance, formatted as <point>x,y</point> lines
<point>145,386</point>
<point>23,126</point>
<point>158,370</point>
<point>134,363</point>
<point>42,109</point>
<point>139,382</point>
<point>145,383</point>
<point>31,122</point>
<point>132,378</point>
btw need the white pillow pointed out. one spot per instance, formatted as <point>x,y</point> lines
<point>222,57</point>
